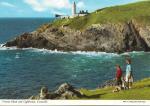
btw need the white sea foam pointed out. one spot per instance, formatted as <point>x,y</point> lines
<point>89,53</point>
<point>134,53</point>
<point>93,53</point>
<point>2,47</point>
<point>44,51</point>
<point>17,57</point>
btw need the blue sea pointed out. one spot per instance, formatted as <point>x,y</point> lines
<point>24,72</point>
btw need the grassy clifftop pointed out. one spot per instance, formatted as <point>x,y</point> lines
<point>139,11</point>
<point>140,91</point>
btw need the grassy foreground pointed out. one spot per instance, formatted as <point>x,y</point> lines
<point>140,91</point>
<point>139,11</point>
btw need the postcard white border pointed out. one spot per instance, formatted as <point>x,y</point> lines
<point>73,102</point>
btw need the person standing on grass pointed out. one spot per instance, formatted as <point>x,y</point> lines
<point>129,74</point>
<point>118,78</point>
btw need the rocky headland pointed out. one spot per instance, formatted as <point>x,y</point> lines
<point>113,29</point>
<point>121,37</point>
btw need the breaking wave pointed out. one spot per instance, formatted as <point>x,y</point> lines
<point>88,53</point>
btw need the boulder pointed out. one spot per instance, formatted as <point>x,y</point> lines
<point>63,88</point>
<point>44,93</point>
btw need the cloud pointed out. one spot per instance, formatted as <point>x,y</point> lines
<point>7,4</point>
<point>43,5</point>
<point>57,12</point>
<point>80,4</point>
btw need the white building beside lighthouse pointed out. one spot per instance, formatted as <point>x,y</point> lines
<point>74,11</point>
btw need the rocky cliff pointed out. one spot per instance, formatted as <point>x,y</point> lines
<point>110,37</point>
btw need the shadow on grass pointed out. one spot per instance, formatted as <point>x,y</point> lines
<point>96,96</point>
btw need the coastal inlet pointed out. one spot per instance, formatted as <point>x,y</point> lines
<point>24,71</point>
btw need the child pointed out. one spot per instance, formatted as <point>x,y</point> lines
<point>129,76</point>
<point>118,79</point>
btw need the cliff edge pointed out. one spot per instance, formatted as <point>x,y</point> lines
<point>139,91</point>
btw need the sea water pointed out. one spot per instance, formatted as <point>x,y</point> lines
<point>24,71</point>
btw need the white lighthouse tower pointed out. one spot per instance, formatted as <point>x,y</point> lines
<point>74,9</point>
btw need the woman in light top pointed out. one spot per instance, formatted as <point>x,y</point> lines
<point>129,75</point>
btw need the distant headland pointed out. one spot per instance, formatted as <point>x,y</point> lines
<point>113,29</point>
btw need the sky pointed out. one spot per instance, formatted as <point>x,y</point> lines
<point>48,8</point>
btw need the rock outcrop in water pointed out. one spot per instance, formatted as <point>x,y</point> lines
<point>65,91</point>
<point>120,37</point>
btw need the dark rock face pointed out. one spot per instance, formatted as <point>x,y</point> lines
<point>129,36</point>
<point>27,40</point>
<point>133,40</point>
<point>65,91</point>
<point>23,41</point>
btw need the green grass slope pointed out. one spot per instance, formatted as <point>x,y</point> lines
<point>140,91</point>
<point>139,11</point>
